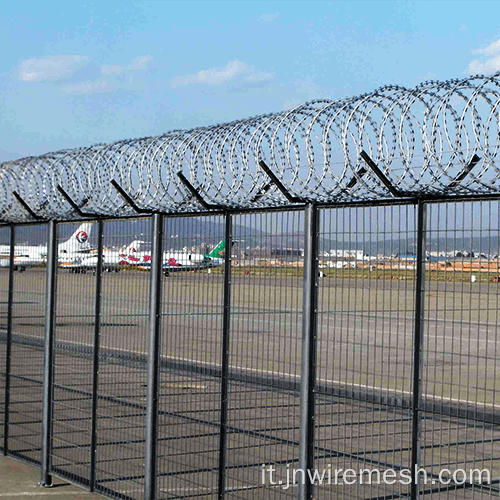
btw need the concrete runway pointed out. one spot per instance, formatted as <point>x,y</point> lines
<point>365,346</point>
<point>365,328</point>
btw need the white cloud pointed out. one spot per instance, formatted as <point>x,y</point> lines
<point>217,76</point>
<point>489,65</point>
<point>51,68</point>
<point>491,50</point>
<point>269,18</point>
<point>89,87</point>
<point>140,63</point>
<point>80,74</point>
<point>259,77</point>
<point>213,76</point>
<point>111,69</point>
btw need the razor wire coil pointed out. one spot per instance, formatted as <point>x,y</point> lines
<point>422,139</point>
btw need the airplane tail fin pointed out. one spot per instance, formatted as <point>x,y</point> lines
<point>134,247</point>
<point>218,251</point>
<point>79,240</point>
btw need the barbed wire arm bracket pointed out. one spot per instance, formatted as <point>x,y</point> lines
<point>278,184</point>
<point>464,173</point>
<point>26,206</point>
<point>73,205</point>
<point>262,192</point>
<point>128,199</point>
<point>359,174</point>
<point>385,181</point>
<point>196,194</point>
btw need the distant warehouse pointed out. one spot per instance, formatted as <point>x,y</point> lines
<point>287,252</point>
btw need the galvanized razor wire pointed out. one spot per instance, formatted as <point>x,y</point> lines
<point>439,138</point>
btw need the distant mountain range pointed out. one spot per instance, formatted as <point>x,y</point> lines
<point>190,231</point>
<point>178,232</point>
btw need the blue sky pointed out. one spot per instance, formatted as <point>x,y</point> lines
<point>79,73</point>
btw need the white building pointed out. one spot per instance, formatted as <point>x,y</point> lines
<point>347,254</point>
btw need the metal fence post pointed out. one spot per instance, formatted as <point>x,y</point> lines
<point>153,358</point>
<point>8,346</point>
<point>48,361</point>
<point>418,345</point>
<point>308,364</point>
<point>95,362</point>
<point>226,331</point>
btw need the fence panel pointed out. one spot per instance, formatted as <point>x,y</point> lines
<point>460,374</point>
<point>191,350</point>
<point>27,342</point>
<point>121,403</point>
<point>365,343</point>
<point>265,348</point>
<point>364,387</point>
<point>4,303</point>
<point>73,347</point>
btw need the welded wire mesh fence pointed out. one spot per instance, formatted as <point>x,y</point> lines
<point>178,351</point>
<point>189,417</point>
<point>72,372</point>
<point>264,352</point>
<point>5,236</point>
<point>121,402</point>
<point>365,335</point>
<point>460,361</point>
<point>24,412</point>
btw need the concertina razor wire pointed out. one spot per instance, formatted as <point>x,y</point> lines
<point>439,138</point>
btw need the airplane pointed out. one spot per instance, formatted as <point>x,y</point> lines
<point>176,261</point>
<point>217,254</point>
<point>69,251</point>
<point>112,260</point>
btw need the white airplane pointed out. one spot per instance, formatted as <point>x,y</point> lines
<point>183,261</point>
<point>112,260</point>
<point>172,261</point>
<point>73,249</point>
